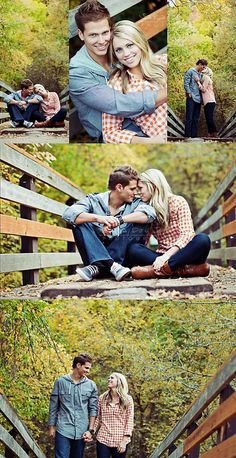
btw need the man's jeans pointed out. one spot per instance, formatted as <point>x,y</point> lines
<point>31,113</point>
<point>192,117</point>
<point>93,249</point>
<point>195,252</point>
<point>68,448</point>
<point>103,451</point>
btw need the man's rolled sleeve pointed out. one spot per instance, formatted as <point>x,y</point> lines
<point>148,210</point>
<point>9,98</point>
<point>54,405</point>
<point>71,213</point>
<point>93,402</point>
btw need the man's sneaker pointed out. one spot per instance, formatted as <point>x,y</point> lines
<point>14,124</point>
<point>88,273</point>
<point>28,124</point>
<point>119,272</point>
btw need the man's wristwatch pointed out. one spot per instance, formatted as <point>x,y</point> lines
<point>120,219</point>
<point>92,431</point>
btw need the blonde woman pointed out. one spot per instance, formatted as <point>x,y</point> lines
<point>208,98</point>
<point>115,418</point>
<point>180,252</point>
<point>50,107</point>
<point>136,69</point>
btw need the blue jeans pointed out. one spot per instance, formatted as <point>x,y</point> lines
<point>92,248</point>
<point>103,451</point>
<point>195,252</point>
<point>31,113</point>
<point>209,115</point>
<point>68,448</point>
<point>192,117</point>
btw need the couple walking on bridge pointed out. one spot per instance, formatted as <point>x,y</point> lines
<point>77,416</point>
<point>112,230</point>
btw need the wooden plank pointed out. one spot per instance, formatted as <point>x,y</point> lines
<point>65,91</point>
<point>154,23</point>
<point>26,261</point>
<point>14,193</point>
<point>219,417</point>
<point>222,378</point>
<point>223,253</point>
<point>172,113</point>
<point>3,105</point>
<point>226,184</point>
<point>4,115</point>
<point>11,443</point>
<point>229,228</point>
<point>229,204</point>
<point>216,216</point>
<point>19,158</point>
<point>227,132</point>
<point>227,120</point>
<point>114,7</point>
<point>24,227</point>
<point>171,122</point>
<point>10,413</point>
<point>3,94</point>
<point>6,86</point>
<point>224,450</point>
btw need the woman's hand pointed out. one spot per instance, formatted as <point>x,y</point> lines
<point>122,446</point>
<point>159,263</point>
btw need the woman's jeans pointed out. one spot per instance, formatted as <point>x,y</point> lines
<point>195,252</point>
<point>103,451</point>
<point>209,115</point>
<point>68,448</point>
<point>59,116</point>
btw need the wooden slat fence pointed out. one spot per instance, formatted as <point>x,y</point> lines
<point>197,424</point>
<point>175,127</point>
<point>152,25</point>
<point>26,226</point>
<point>17,442</point>
<point>6,89</point>
<point>228,130</point>
<point>218,219</point>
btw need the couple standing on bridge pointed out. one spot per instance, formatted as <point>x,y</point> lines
<point>112,230</point>
<point>117,84</point>
<point>34,106</point>
<point>198,86</point>
<point>77,416</point>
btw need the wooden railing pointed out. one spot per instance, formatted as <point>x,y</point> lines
<point>217,218</point>
<point>175,127</point>
<point>26,226</point>
<point>152,25</point>
<point>198,424</point>
<point>5,89</point>
<point>17,442</point>
<point>228,130</point>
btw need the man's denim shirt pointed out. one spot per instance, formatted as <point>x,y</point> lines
<point>91,96</point>
<point>17,96</point>
<point>190,84</point>
<point>98,204</point>
<point>71,405</point>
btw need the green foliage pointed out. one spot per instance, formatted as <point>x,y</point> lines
<point>167,350</point>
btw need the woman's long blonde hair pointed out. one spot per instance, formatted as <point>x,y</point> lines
<point>160,191</point>
<point>151,70</point>
<point>121,389</point>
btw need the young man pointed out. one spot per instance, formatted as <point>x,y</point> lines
<point>23,105</point>
<point>193,97</point>
<point>105,224</point>
<point>89,70</point>
<point>73,409</point>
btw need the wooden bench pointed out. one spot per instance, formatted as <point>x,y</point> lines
<point>18,442</point>
<point>26,226</point>
<point>152,25</point>
<point>217,218</point>
<point>199,424</point>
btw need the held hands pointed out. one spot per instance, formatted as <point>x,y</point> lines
<point>122,446</point>
<point>52,432</point>
<point>87,436</point>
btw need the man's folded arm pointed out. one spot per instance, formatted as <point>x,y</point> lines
<point>106,99</point>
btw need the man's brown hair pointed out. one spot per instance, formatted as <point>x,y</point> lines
<point>81,359</point>
<point>91,11</point>
<point>24,84</point>
<point>123,175</point>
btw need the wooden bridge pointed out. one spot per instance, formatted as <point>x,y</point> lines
<point>175,129</point>
<point>152,25</point>
<point>217,218</point>
<point>31,135</point>
<point>202,421</point>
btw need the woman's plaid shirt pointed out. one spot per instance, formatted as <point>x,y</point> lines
<point>180,230</point>
<point>153,124</point>
<point>114,422</point>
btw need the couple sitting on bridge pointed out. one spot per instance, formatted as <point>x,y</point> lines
<point>34,106</point>
<point>77,416</point>
<point>131,107</point>
<point>112,230</point>
<point>198,86</point>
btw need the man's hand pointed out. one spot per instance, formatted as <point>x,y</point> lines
<point>52,432</point>
<point>87,436</point>
<point>122,446</point>
<point>109,221</point>
<point>22,104</point>
<point>161,96</point>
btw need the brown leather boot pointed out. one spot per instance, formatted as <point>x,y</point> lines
<point>193,270</point>
<point>140,273</point>
<point>43,123</point>
<point>58,124</point>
